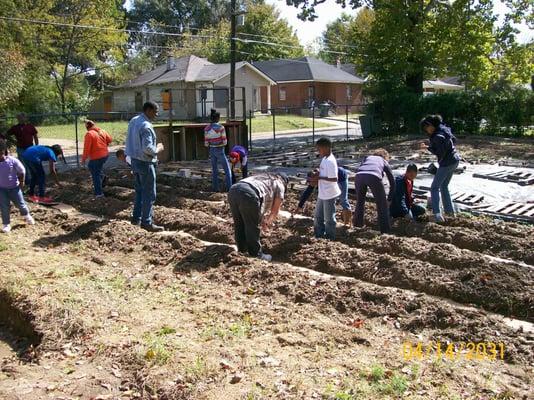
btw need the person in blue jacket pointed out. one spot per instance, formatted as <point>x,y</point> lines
<point>238,154</point>
<point>34,156</point>
<point>343,183</point>
<point>402,204</point>
<point>442,144</point>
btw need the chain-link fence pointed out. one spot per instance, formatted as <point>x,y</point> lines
<point>280,127</point>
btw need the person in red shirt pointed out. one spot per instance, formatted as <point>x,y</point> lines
<point>95,148</point>
<point>402,204</point>
<point>26,135</point>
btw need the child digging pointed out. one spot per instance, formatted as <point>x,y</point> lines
<point>11,182</point>
<point>403,205</point>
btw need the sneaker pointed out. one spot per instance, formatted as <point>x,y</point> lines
<point>29,219</point>
<point>265,257</point>
<point>153,228</point>
<point>46,199</point>
<point>6,228</point>
<point>99,196</point>
<point>438,218</point>
<point>33,198</point>
<point>135,222</point>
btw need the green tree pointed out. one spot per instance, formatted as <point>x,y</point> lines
<point>413,40</point>
<point>345,38</point>
<point>335,40</point>
<point>77,38</point>
<point>177,17</point>
<point>264,36</point>
<point>12,65</point>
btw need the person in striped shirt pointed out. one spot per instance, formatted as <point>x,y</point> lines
<point>215,140</point>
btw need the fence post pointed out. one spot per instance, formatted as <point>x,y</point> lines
<point>250,130</point>
<point>76,132</point>
<point>274,127</point>
<point>313,123</point>
<point>347,119</point>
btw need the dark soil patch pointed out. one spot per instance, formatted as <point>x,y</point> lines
<point>357,300</point>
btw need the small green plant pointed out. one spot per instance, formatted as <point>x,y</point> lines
<point>165,330</point>
<point>377,373</point>
<point>158,348</point>
<point>397,385</point>
<point>198,369</point>
<point>3,246</point>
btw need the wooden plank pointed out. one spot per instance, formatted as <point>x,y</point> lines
<point>477,198</point>
<point>464,197</point>
<point>513,207</point>
<point>498,207</point>
<point>523,209</point>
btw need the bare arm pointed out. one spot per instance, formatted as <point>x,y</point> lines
<point>53,172</point>
<point>275,209</point>
<point>21,180</point>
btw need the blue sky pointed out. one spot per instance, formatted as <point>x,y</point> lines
<point>308,32</point>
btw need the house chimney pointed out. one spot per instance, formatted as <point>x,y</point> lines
<point>338,63</point>
<point>171,63</point>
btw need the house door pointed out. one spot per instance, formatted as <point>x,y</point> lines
<point>256,99</point>
<point>138,101</point>
<point>108,106</point>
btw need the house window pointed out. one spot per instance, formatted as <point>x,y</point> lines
<point>349,92</point>
<point>138,101</point>
<point>166,100</point>
<point>220,97</point>
<point>282,94</point>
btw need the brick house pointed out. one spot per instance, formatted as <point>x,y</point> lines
<point>305,81</point>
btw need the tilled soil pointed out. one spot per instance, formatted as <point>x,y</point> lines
<point>114,295</point>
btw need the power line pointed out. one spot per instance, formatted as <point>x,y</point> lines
<point>280,45</point>
<point>104,28</point>
<point>273,37</point>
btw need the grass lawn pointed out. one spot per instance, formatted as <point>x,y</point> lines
<point>117,129</point>
<point>285,123</point>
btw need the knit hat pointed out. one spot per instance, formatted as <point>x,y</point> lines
<point>235,155</point>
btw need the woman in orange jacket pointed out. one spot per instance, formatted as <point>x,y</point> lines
<point>95,148</point>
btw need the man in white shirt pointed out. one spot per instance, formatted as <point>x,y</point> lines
<point>325,210</point>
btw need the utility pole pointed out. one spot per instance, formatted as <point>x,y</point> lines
<point>233,30</point>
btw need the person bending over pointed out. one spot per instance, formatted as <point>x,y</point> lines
<point>239,154</point>
<point>255,202</point>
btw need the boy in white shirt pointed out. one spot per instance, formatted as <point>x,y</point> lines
<point>325,209</point>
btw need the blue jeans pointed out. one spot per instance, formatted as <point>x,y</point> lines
<point>441,184</point>
<point>344,196</point>
<point>38,178</point>
<point>95,167</point>
<point>217,155</point>
<point>12,195</point>
<point>145,191</point>
<point>20,150</point>
<point>325,219</point>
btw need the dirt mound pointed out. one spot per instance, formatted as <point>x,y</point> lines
<point>413,312</point>
<point>198,223</point>
<point>384,261</point>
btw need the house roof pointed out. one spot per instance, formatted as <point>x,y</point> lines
<point>439,84</point>
<point>184,69</point>
<point>350,69</point>
<point>304,69</point>
<point>188,69</point>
